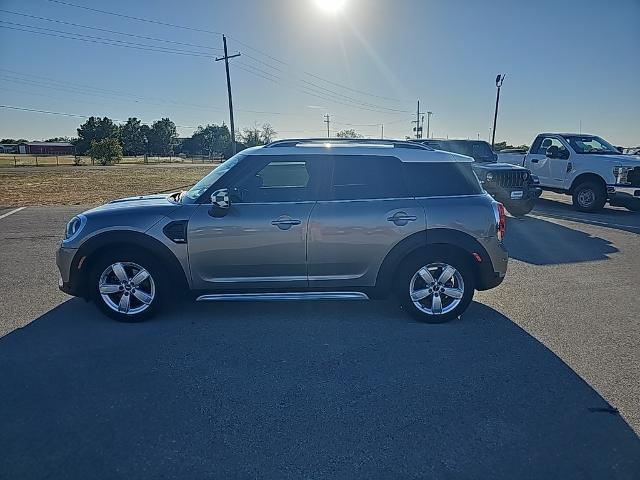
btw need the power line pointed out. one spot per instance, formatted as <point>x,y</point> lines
<point>120,43</point>
<point>110,42</point>
<point>184,27</point>
<point>62,22</point>
<point>64,114</point>
<point>131,17</point>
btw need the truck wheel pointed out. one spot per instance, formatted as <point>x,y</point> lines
<point>520,209</point>
<point>589,197</point>
<point>435,288</point>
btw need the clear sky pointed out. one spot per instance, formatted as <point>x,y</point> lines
<point>569,63</point>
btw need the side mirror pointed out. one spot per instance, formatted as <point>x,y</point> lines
<point>220,203</point>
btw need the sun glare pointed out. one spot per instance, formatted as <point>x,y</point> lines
<point>330,6</point>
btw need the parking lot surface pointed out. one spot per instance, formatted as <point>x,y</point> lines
<point>539,379</point>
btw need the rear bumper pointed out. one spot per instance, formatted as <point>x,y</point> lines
<point>492,270</point>
<point>623,196</point>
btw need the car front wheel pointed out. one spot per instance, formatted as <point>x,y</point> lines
<point>589,197</point>
<point>436,290</point>
<point>127,286</point>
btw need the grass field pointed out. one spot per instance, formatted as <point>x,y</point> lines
<point>11,160</point>
<point>92,185</point>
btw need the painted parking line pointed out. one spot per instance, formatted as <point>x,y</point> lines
<point>11,212</point>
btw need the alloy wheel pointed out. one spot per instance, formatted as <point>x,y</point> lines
<point>436,288</point>
<point>127,288</point>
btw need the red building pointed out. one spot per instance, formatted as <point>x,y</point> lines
<point>46,148</point>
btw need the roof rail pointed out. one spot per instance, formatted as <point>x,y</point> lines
<point>293,142</point>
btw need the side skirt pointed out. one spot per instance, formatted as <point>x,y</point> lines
<point>278,297</point>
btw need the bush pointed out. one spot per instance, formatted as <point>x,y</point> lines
<point>106,152</point>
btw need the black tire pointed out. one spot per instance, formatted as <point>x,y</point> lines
<point>589,197</point>
<point>410,268</point>
<point>128,258</point>
<point>520,209</point>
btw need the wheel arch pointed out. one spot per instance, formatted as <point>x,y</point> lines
<point>587,177</point>
<point>427,240</point>
<point>98,245</point>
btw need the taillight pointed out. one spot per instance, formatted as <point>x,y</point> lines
<point>501,220</point>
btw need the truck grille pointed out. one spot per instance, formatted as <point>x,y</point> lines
<point>510,179</point>
<point>633,177</point>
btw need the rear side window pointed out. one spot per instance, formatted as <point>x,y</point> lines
<point>431,179</point>
<point>366,177</point>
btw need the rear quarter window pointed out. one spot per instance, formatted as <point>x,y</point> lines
<point>440,179</point>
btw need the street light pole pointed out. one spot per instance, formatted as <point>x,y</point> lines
<point>499,80</point>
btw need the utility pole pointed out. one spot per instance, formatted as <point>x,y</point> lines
<point>226,64</point>
<point>418,128</point>
<point>499,80</point>
<point>428,122</point>
<point>327,120</point>
<point>382,132</point>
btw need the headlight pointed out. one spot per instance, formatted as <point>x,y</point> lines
<point>535,180</point>
<point>75,226</point>
<point>489,177</point>
<point>621,174</point>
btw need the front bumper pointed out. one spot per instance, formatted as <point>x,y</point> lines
<point>622,196</point>
<point>64,261</point>
<point>513,195</point>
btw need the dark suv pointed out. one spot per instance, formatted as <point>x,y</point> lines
<point>297,219</point>
<point>514,186</point>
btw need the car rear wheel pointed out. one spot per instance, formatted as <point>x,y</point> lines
<point>127,286</point>
<point>436,289</point>
<point>589,197</point>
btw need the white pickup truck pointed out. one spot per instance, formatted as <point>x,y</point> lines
<point>586,167</point>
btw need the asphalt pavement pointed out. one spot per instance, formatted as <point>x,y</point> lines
<point>539,379</point>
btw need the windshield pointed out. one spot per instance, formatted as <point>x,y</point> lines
<point>479,151</point>
<point>203,185</point>
<point>589,144</point>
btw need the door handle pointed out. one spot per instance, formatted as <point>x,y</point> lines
<point>534,160</point>
<point>285,223</point>
<point>401,218</point>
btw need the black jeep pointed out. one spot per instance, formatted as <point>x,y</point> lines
<point>511,185</point>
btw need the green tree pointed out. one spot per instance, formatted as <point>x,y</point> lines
<point>162,137</point>
<point>210,140</point>
<point>251,137</point>
<point>95,128</point>
<point>106,151</point>
<point>61,139</point>
<point>132,137</point>
<point>254,136</point>
<point>350,133</point>
<point>13,140</point>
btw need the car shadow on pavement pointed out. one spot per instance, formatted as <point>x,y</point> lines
<point>542,242</point>
<point>616,218</point>
<point>298,390</point>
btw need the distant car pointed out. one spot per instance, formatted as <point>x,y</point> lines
<point>586,167</point>
<point>511,185</point>
<point>297,219</point>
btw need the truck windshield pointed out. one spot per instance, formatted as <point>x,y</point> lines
<point>479,151</point>
<point>203,185</point>
<point>589,144</point>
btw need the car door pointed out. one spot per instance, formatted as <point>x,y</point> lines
<point>549,170</point>
<point>367,211</point>
<point>261,241</point>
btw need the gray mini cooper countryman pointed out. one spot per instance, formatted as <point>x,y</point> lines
<point>297,220</point>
